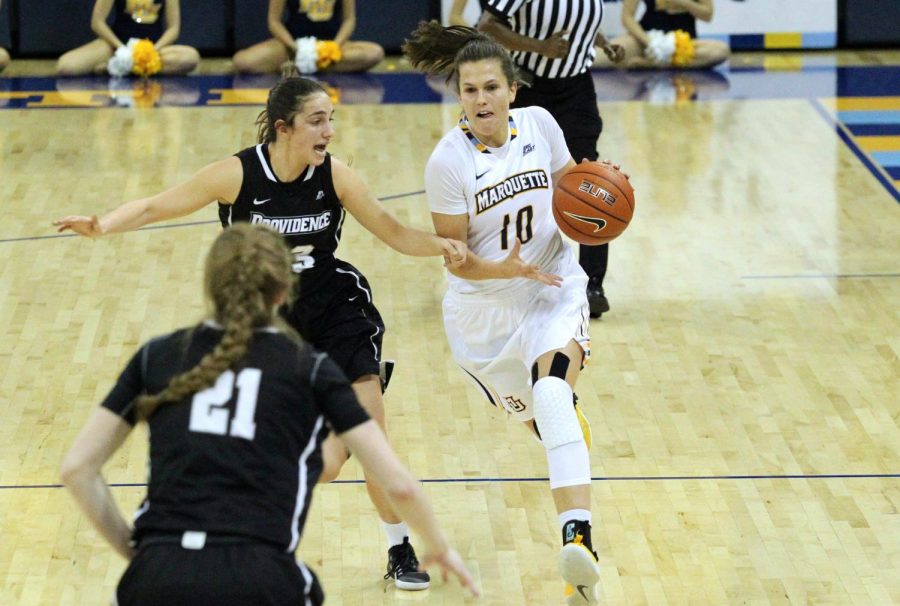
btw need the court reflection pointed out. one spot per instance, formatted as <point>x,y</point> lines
<point>350,89</point>
<point>669,87</point>
<point>123,92</point>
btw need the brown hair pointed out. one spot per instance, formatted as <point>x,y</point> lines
<point>247,269</point>
<point>438,50</point>
<point>285,101</point>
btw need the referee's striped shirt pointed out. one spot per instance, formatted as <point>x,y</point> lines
<point>539,19</point>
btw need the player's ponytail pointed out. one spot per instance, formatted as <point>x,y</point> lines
<point>438,50</point>
<point>247,269</point>
<point>285,100</point>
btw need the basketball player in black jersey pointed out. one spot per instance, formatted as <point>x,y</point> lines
<point>666,16</point>
<point>157,20</point>
<point>237,408</point>
<point>324,20</point>
<point>290,182</point>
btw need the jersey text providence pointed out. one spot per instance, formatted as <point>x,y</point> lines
<point>306,224</point>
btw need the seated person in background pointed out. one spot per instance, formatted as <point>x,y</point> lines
<point>323,19</point>
<point>4,55</point>
<point>665,16</point>
<point>157,20</point>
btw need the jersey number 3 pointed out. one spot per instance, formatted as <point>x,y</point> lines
<point>208,411</point>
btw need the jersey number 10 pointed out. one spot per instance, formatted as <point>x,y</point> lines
<point>523,227</point>
<point>208,412</point>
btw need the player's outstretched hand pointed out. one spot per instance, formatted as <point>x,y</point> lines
<point>454,252</point>
<point>83,226</point>
<point>451,563</point>
<point>521,269</point>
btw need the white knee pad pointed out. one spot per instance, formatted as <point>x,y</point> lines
<point>554,413</point>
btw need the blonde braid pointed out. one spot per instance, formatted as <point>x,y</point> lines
<point>247,268</point>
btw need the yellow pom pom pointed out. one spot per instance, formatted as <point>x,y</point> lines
<point>146,59</point>
<point>328,52</point>
<point>684,49</point>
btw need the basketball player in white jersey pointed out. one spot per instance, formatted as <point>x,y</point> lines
<point>516,314</point>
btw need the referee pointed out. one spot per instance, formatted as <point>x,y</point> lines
<point>553,42</point>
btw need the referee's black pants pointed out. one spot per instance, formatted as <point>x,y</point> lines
<point>573,103</point>
<point>248,573</point>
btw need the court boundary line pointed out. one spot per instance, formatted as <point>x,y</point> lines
<point>841,129</point>
<point>831,476</point>
<point>168,226</point>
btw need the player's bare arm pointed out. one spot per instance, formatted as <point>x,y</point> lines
<point>101,436</point>
<point>372,215</point>
<point>218,181</point>
<point>368,443</point>
<point>478,268</point>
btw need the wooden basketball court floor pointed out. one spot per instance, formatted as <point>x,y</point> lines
<point>744,390</point>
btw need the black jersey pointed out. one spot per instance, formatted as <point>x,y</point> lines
<point>333,308</point>
<point>319,18</point>
<point>242,457</point>
<point>139,19</point>
<point>663,21</point>
<point>307,211</point>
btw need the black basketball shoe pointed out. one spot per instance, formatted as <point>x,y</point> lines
<point>403,568</point>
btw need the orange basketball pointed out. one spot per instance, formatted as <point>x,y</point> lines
<point>593,203</point>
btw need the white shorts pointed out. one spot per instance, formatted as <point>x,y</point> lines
<point>496,338</point>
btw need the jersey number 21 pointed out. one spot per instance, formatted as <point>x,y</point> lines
<point>208,412</point>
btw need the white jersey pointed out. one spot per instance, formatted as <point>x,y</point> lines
<point>506,192</point>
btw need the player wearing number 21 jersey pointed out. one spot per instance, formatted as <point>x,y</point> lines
<point>290,182</point>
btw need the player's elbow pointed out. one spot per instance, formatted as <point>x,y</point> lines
<point>71,469</point>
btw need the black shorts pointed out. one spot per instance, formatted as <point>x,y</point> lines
<point>339,318</point>
<point>217,575</point>
<point>573,103</point>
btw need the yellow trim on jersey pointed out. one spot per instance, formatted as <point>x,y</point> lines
<point>464,126</point>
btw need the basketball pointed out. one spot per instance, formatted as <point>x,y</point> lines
<point>593,203</point>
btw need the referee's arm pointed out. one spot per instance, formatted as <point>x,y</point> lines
<point>555,47</point>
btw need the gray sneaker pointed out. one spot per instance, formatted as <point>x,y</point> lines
<point>403,568</point>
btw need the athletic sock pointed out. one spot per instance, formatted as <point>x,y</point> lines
<point>395,533</point>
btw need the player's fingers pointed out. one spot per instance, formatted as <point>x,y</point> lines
<point>466,580</point>
<point>553,280</point>
<point>459,248</point>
